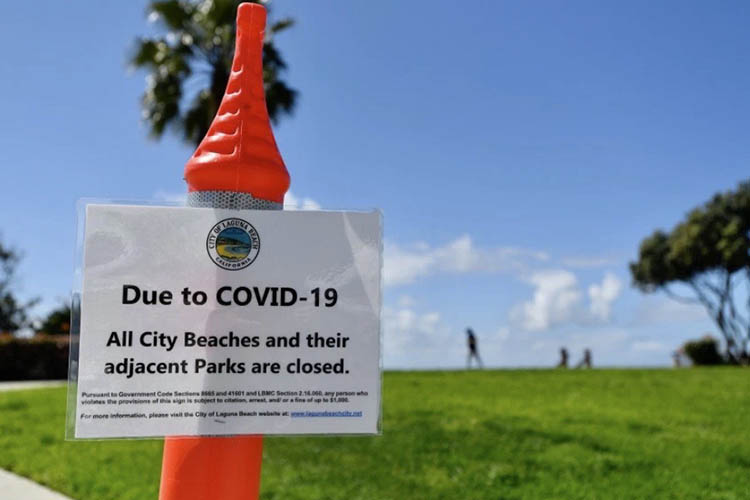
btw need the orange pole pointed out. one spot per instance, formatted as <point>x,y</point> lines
<point>236,166</point>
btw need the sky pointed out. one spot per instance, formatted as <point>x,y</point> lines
<point>519,151</point>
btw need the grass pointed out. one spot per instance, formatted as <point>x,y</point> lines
<point>455,435</point>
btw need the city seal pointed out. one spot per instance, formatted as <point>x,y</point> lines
<point>233,244</point>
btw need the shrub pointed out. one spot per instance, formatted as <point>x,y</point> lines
<point>42,357</point>
<point>704,351</point>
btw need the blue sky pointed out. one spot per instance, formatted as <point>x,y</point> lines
<point>519,151</point>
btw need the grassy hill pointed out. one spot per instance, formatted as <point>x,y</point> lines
<point>456,435</point>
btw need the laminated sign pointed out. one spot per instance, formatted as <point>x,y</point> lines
<point>198,321</point>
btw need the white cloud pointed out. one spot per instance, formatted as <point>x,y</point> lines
<point>423,339</point>
<point>602,295</point>
<point>406,320</point>
<point>412,338</point>
<point>403,265</point>
<point>291,202</point>
<point>649,346</point>
<point>400,267</point>
<point>558,299</point>
<point>180,198</point>
<point>584,262</point>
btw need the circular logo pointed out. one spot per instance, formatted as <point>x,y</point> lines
<point>233,244</point>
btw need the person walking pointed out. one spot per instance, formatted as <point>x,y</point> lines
<point>586,361</point>
<point>471,341</point>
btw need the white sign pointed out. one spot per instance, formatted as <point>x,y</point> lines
<point>199,321</point>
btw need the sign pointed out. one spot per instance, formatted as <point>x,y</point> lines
<point>199,321</point>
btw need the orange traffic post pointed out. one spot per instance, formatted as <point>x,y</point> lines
<point>236,166</point>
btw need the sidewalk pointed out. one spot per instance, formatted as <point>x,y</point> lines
<point>30,384</point>
<point>17,487</point>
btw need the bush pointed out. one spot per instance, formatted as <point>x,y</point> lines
<point>704,351</point>
<point>42,357</point>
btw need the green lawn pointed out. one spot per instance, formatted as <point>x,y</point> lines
<point>610,434</point>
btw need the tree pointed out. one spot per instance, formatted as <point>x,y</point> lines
<point>13,313</point>
<point>57,322</point>
<point>703,352</point>
<point>707,253</point>
<point>190,66</point>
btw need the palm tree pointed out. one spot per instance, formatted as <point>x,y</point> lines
<point>189,66</point>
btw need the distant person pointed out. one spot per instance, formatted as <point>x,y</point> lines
<point>471,341</point>
<point>563,358</point>
<point>677,357</point>
<point>586,361</point>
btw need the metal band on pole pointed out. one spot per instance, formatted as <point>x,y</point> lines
<point>231,200</point>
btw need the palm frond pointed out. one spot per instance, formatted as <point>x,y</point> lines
<point>200,40</point>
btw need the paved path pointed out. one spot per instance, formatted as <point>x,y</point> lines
<point>17,487</point>
<point>30,384</point>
